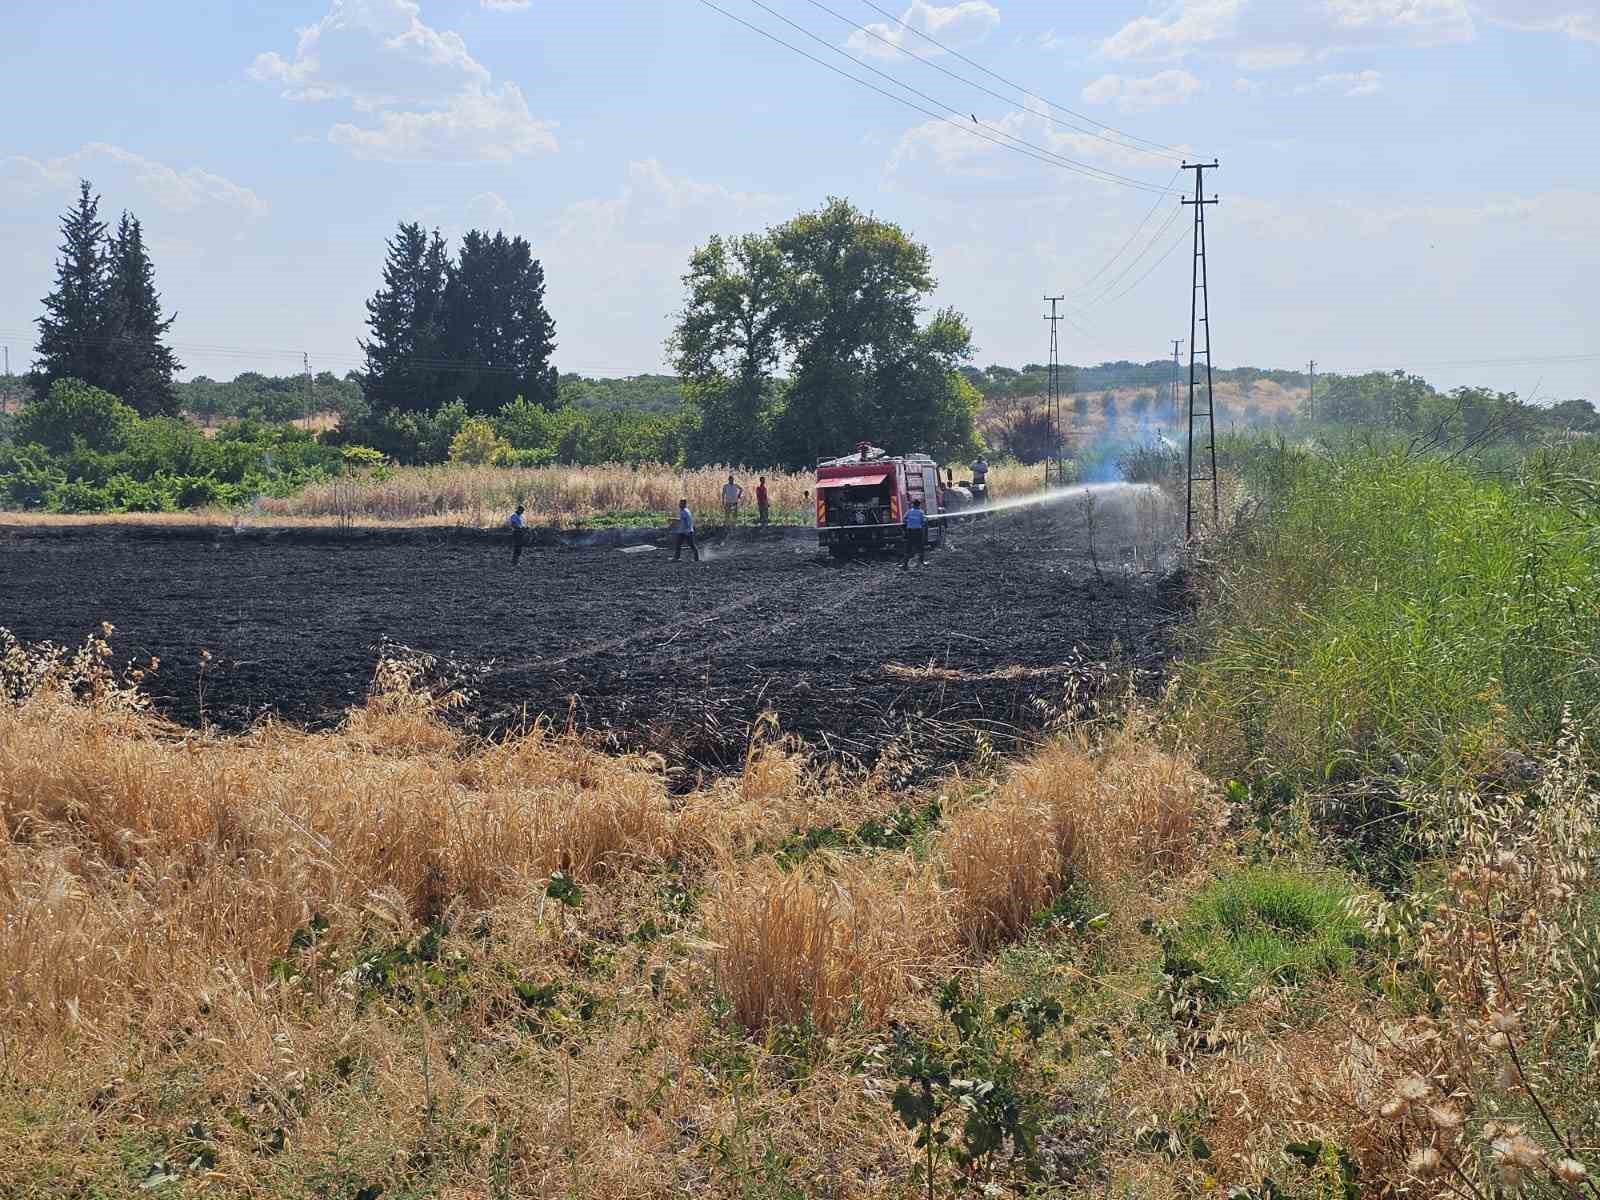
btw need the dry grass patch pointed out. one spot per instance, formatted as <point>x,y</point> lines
<point>342,957</point>
<point>824,948</point>
<point>1074,809</point>
<point>554,495</point>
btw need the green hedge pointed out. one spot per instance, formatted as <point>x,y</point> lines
<point>81,450</point>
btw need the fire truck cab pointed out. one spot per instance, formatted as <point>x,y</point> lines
<point>862,499</point>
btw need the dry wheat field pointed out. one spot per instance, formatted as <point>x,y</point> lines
<point>395,959</point>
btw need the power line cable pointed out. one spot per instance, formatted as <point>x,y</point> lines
<point>822,41</point>
<point>1166,254</point>
<point>1170,150</point>
<point>1100,172</point>
<point>1121,249</point>
<point>1085,129</point>
<point>1111,284</point>
<point>978,129</point>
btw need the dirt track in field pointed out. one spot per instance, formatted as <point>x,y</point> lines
<point>994,634</point>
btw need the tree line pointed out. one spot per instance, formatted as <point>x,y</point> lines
<point>792,343</point>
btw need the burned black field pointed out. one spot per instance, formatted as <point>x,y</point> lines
<point>992,637</point>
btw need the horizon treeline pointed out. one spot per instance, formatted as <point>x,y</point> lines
<point>791,343</point>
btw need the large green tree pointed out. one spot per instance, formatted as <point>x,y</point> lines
<point>73,332</point>
<point>140,366</point>
<point>404,348</point>
<point>727,345</point>
<point>497,334</point>
<point>839,298</point>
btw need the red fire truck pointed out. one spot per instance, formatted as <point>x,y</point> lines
<point>862,499</point>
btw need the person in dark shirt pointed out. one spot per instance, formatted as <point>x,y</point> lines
<point>761,498</point>
<point>916,525</point>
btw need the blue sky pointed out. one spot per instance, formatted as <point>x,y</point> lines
<point>1402,182</point>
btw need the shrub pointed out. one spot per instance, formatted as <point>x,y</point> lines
<point>523,458</point>
<point>75,412</point>
<point>476,443</point>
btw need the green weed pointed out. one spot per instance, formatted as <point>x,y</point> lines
<point>1263,926</point>
<point>1391,610</point>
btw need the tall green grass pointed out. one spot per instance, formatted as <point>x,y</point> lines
<point>1264,925</point>
<point>1387,604</point>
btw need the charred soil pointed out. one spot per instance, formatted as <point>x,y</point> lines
<point>1008,627</point>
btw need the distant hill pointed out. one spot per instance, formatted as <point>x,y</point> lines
<point>997,382</point>
<point>1014,421</point>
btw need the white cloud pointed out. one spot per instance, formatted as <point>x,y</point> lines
<point>1264,34</point>
<point>185,191</point>
<point>1192,24</point>
<point>1419,22</point>
<point>620,258</point>
<point>1049,40</point>
<point>1575,19</point>
<point>489,208</point>
<point>954,146</point>
<point>963,23</point>
<point>473,127</point>
<point>433,100</point>
<point>1349,83</point>
<point>1137,95</point>
<point>507,5</point>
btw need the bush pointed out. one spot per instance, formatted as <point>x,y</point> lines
<point>524,458</point>
<point>97,456</point>
<point>75,413</point>
<point>476,443</point>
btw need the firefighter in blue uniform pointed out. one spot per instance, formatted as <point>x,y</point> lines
<point>916,525</point>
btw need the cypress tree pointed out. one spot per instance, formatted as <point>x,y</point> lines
<point>403,317</point>
<point>73,331</point>
<point>498,335</point>
<point>139,367</point>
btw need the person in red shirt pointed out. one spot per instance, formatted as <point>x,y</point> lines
<point>761,498</point>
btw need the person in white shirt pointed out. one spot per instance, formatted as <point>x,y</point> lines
<point>916,525</point>
<point>519,534</point>
<point>731,492</point>
<point>685,533</point>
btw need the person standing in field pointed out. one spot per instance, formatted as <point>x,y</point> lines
<point>519,534</point>
<point>761,498</point>
<point>980,472</point>
<point>685,533</point>
<point>731,492</point>
<point>916,525</point>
